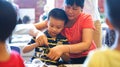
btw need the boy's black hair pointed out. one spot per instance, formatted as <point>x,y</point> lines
<point>8,18</point>
<point>58,14</point>
<point>113,12</point>
<point>79,3</point>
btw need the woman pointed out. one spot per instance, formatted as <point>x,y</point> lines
<point>78,30</point>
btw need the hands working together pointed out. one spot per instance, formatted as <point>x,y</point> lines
<point>55,52</point>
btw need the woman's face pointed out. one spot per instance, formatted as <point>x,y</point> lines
<point>72,11</point>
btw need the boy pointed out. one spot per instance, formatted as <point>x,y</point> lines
<point>108,57</point>
<point>8,19</point>
<point>56,21</point>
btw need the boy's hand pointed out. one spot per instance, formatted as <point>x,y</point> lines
<point>41,39</point>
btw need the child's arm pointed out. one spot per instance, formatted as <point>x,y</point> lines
<point>30,47</point>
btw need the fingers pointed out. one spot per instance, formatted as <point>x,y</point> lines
<point>38,41</point>
<point>51,55</point>
<point>45,41</point>
<point>54,53</point>
<point>56,58</point>
<point>42,40</point>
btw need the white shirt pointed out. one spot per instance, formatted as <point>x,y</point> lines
<point>91,7</point>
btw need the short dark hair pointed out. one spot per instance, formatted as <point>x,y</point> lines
<point>112,10</point>
<point>8,19</point>
<point>58,14</point>
<point>26,19</point>
<point>79,3</point>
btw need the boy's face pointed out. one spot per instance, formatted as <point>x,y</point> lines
<point>55,26</point>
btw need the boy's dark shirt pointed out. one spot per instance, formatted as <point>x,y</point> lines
<point>38,50</point>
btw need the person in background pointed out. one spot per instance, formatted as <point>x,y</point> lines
<point>8,19</point>
<point>44,16</point>
<point>21,30</point>
<point>108,57</point>
<point>76,30</point>
<point>26,19</point>
<point>56,21</point>
<point>109,37</point>
<point>91,7</point>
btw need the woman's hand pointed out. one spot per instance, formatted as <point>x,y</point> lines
<point>41,39</point>
<point>57,51</point>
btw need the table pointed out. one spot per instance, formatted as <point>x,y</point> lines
<point>29,55</point>
<point>68,65</point>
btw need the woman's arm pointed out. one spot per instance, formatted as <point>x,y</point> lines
<point>41,25</point>
<point>87,38</point>
<point>38,27</point>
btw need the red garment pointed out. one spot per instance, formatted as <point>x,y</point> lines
<point>74,34</point>
<point>101,5</point>
<point>14,61</point>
